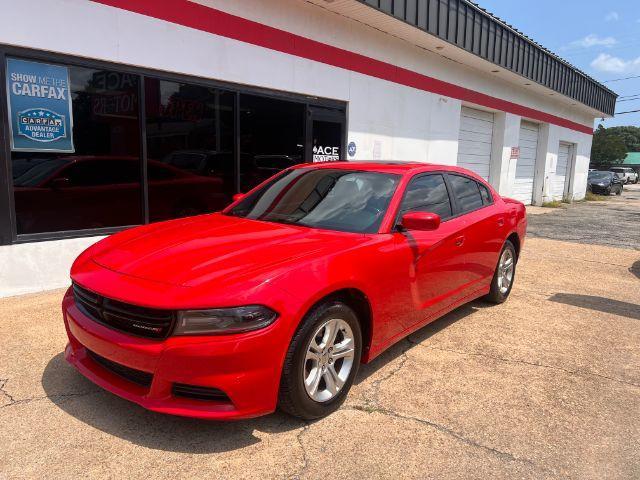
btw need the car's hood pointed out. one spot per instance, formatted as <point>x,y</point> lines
<point>217,248</point>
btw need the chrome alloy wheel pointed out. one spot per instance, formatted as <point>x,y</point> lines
<point>329,359</point>
<point>505,271</point>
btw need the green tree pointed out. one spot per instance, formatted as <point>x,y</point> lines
<point>607,148</point>
<point>630,135</point>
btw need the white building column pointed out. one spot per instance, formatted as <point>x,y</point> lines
<point>580,170</point>
<point>506,134</point>
<point>546,160</point>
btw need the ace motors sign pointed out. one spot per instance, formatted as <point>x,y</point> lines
<point>39,100</point>
<point>325,154</point>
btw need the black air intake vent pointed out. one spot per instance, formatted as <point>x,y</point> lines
<point>138,377</point>
<point>199,393</point>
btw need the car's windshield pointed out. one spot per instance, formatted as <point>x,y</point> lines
<point>600,175</point>
<point>329,198</point>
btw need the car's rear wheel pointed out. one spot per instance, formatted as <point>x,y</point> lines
<point>619,191</point>
<point>321,362</point>
<point>504,275</point>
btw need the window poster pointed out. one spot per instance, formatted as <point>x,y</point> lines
<point>39,101</point>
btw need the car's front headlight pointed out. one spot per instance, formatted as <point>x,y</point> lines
<point>224,321</point>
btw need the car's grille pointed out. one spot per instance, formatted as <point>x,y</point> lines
<point>140,321</point>
<point>136,376</point>
<point>199,393</point>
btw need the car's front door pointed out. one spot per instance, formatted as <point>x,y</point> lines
<point>433,260</point>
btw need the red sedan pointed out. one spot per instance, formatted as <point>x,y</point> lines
<point>276,300</point>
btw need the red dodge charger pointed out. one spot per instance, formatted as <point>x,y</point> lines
<point>276,300</point>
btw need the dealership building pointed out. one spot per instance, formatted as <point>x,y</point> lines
<point>116,113</point>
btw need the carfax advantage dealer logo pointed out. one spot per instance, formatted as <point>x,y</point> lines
<point>41,125</point>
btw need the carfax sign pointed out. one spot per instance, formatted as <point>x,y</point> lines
<point>40,115</point>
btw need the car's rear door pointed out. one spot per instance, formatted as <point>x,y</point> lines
<point>484,230</point>
<point>433,260</point>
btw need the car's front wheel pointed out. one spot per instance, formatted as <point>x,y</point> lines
<point>321,362</point>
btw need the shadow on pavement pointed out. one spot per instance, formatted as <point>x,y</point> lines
<point>111,414</point>
<point>121,418</point>
<point>601,304</point>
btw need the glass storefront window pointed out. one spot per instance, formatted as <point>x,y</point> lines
<point>99,185</point>
<point>88,174</point>
<point>271,138</point>
<point>190,139</point>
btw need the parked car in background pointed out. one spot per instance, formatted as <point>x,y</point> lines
<point>604,183</point>
<point>627,175</point>
<point>276,300</point>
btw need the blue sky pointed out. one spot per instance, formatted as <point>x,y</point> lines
<point>601,38</point>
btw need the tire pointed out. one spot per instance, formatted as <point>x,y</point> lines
<point>607,192</point>
<point>293,397</point>
<point>619,191</point>
<point>497,294</point>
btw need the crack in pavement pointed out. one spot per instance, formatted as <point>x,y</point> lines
<point>3,382</point>
<point>13,401</point>
<point>534,364</point>
<point>448,431</point>
<point>305,458</point>
<point>371,399</point>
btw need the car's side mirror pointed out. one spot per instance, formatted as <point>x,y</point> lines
<point>60,182</point>
<point>425,221</point>
<point>238,196</point>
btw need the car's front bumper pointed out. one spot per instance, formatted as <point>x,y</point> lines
<point>600,188</point>
<point>246,367</point>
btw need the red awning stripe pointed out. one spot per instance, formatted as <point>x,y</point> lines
<point>206,19</point>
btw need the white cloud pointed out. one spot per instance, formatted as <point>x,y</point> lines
<point>610,64</point>
<point>612,17</point>
<point>593,40</point>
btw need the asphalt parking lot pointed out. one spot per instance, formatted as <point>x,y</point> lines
<point>614,222</point>
<point>546,385</point>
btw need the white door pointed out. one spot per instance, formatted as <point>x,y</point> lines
<point>474,142</point>
<point>562,170</point>
<point>526,163</point>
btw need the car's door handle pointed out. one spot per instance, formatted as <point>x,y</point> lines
<point>501,222</point>
<point>459,241</point>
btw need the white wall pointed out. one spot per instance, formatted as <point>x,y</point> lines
<point>33,267</point>
<point>386,120</point>
<point>397,121</point>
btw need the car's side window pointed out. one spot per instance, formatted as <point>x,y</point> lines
<point>466,192</point>
<point>427,193</point>
<point>485,194</point>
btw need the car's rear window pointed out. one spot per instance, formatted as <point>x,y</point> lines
<point>467,193</point>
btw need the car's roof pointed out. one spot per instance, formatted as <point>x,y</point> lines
<point>387,166</point>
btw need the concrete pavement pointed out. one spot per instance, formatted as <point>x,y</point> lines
<point>546,385</point>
